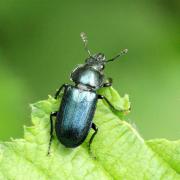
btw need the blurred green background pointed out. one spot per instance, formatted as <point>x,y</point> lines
<point>40,45</point>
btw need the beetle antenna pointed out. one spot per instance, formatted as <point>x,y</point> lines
<point>85,41</point>
<point>123,52</point>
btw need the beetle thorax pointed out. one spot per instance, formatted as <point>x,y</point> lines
<point>87,77</point>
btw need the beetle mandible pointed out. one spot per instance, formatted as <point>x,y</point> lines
<point>74,118</point>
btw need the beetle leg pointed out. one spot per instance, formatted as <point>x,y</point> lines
<point>94,127</point>
<point>110,105</point>
<point>59,90</point>
<point>53,114</point>
<point>108,102</point>
<point>108,83</point>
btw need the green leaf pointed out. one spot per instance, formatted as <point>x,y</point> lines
<point>168,150</point>
<point>118,151</point>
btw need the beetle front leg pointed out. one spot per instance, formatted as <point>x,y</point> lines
<point>53,114</point>
<point>94,127</point>
<point>108,83</point>
<point>59,90</point>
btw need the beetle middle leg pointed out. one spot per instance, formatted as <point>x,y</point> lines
<point>59,90</point>
<point>53,114</point>
<point>108,83</point>
<point>109,103</point>
<point>94,127</point>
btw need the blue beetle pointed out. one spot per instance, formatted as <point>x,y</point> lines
<point>74,118</point>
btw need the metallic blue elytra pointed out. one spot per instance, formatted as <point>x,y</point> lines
<point>74,119</point>
<point>75,115</point>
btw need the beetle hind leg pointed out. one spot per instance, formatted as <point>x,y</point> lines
<point>94,127</point>
<point>53,114</point>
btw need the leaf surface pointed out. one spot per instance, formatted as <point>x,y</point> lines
<point>118,151</point>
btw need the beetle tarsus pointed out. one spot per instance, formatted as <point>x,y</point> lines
<point>53,114</point>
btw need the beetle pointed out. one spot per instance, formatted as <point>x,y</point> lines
<point>74,119</point>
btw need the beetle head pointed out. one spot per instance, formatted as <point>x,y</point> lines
<point>98,61</point>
